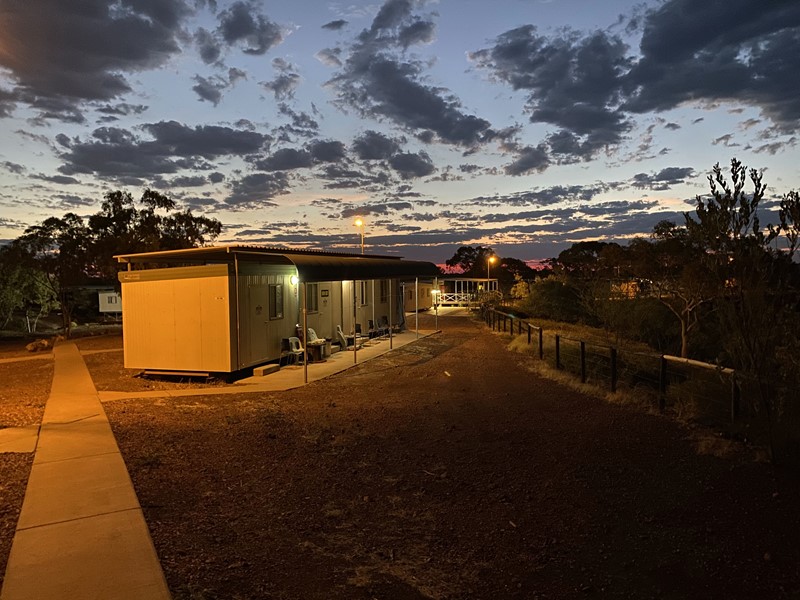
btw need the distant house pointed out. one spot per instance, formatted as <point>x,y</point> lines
<point>225,308</point>
<point>109,301</point>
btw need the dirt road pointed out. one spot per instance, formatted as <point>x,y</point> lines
<point>449,470</point>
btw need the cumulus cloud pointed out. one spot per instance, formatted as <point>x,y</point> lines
<point>380,84</point>
<point>529,159</point>
<point>663,179</point>
<point>114,153</point>
<point>410,165</point>
<point>57,53</point>
<point>572,82</point>
<point>242,24</point>
<point>372,145</point>
<point>256,190</point>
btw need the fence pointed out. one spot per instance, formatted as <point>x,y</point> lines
<point>700,391</point>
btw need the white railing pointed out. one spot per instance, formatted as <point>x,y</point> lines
<point>459,299</point>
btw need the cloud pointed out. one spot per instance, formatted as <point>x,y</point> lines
<point>323,151</point>
<point>379,84</point>
<point>418,32</point>
<point>12,167</point>
<point>374,208</point>
<point>285,159</point>
<point>372,145</point>
<point>543,197</point>
<point>572,82</point>
<point>114,153</point>
<point>256,190</point>
<point>208,45</point>
<point>285,82</point>
<point>242,24</point>
<point>741,58</point>
<point>529,158</point>
<point>209,89</point>
<point>664,179</point>
<point>335,25</point>
<point>410,165</point>
<point>343,177</point>
<point>302,124</point>
<point>58,53</point>
<point>329,57</point>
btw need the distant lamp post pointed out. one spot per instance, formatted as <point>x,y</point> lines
<point>360,224</point>
<point>489,262</point>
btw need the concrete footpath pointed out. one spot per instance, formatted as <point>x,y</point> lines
<point>81,532</point>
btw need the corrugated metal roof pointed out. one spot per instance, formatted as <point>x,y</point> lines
<point>311,265</point>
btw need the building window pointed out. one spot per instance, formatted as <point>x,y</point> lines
<point>363,293</point>
<point>276,301</point>
<point>384,291</point>
<point>312,297</point>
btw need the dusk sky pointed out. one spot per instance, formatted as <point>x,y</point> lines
<point>526,125</point>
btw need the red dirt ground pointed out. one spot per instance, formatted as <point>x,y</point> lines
<point>448,470</point>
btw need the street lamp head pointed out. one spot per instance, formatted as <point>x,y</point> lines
<point>359,222</point>
<point>492,260</point>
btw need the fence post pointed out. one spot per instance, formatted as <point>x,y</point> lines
<point>541,344</point>
<point>736,394</point>
<point>662,385</point>
<point>511,330</point>
<point>529,334</point>
<point>519,327</point>
<point>558,351</point>
<point>613,369</point>
<point>583,361</point>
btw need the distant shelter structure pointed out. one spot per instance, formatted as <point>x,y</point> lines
<point>463,291</point>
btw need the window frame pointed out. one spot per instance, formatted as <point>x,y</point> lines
<point>275,298</point>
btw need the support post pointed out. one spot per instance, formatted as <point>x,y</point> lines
<point>736,394</point>
<point>583,361</point>
<point>662,385</point>
<point>613,369</point>
<point>391,311</point>
<point>558,351</point>
<point>416,305</point>
<point>529,334</point>
<point>355,316</point>
<point>305,334</point>
<point>541,344</point>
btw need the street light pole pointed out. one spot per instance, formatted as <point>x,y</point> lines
<point>489,262</point>
<point>360,224</point>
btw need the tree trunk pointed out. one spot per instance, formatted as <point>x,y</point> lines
<point>684,338</point>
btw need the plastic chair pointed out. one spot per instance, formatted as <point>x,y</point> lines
<point>312,335</point>
<point>296,351</point>
<point>342,337</point>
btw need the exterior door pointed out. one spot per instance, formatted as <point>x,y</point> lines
<point>258,321</point>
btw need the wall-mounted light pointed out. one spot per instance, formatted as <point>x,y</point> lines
<point>294,279</point>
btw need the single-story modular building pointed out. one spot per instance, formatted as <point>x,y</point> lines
<point>220,309</point>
